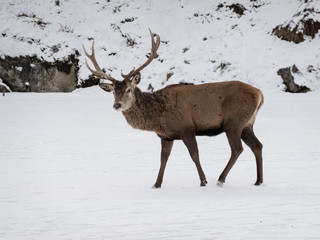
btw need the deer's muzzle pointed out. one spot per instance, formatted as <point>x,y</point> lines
<point>117,106</point>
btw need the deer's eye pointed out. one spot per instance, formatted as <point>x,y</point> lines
<point>128,90</point>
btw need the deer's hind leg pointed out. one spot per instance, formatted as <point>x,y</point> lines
<point>255,145</point>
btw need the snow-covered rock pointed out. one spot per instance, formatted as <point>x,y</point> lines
<point>30,74</point>
<point>302,25</point>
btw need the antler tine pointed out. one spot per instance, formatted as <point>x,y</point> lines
<point>154,48</point>
<point>126,75</point>
<point>98,72</point>
<point>152,39</point>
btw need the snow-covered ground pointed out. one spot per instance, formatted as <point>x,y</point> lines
<point>71,168</point>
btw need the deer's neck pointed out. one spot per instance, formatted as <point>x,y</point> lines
<point>146,113</point>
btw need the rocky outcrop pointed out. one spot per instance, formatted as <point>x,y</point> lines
<point>302,25</point>
<point>288,80</point>
<point>31,74</point>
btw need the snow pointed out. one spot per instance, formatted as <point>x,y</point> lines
<point>72,168</point>
<point>19,69</point>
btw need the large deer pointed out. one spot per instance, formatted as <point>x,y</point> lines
<point>182,112</point>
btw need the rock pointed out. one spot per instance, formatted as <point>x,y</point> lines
<point>150,88</point>
<point>91,81</point>
<point>288,80</point>
<point>302,24</point>
<point>294,69</point>
<point>25,73</point>
<point>169,75</point>
<point>311,28</point>
<point>285,33</point>
<point>237,8</point>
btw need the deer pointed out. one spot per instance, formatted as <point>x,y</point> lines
<point>184,111</point>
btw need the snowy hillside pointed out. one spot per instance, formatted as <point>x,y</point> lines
<point>202,41</point>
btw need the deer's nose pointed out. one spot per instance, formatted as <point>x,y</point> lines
<point>117,106</point>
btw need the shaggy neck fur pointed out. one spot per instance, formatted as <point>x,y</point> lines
<point>145,114</point>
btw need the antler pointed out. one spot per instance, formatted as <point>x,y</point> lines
<point>154,48</point>
<point>98,72</point>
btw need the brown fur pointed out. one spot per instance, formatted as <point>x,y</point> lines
<point>181,112</point>
<point>202,108</point>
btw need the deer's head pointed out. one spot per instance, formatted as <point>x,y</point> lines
<point>123,90</point>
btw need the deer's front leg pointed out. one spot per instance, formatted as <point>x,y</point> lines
<point>166,146</point>
<point>191,143</point>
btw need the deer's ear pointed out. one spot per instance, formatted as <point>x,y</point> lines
<point>106,86</point>
<point>135,79</point>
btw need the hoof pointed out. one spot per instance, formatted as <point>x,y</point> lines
<point>203,183</point>
<point>156,185</point>
<point>220,184</point>
<point>258,183</point>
